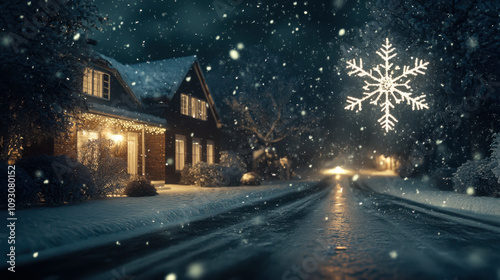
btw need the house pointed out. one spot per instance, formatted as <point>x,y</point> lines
<point>159,115</point>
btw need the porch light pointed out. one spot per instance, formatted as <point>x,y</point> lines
<point>116,137</point>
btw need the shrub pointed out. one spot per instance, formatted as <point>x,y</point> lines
<point>205,175</point>
<point>495,155</point>
<point>442,178</point>
<point>108,173</point>
<point>226,173</point>
<point>268,164</point>
<point>231,159</point>
<point>59,178</point>
<point>26,190</point>
<point>250,179</point>
<point>232,168</point>
<point>187,177</point>
<point>140,187</point>
<point>476,175</point>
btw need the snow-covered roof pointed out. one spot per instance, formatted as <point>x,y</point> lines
<point>127,114</point>
<point>160,78</point>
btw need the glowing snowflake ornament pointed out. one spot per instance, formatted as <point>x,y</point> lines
<point>386,86</point>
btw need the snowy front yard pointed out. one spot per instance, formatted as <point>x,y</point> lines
<point>50,231</point>
<point>422,191</point>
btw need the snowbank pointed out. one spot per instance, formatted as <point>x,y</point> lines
<point>422,191</point>
<point>51,231</point>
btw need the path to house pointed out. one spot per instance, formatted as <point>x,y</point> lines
<point>51,231</point>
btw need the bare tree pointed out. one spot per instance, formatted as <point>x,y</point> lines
<point>266,103</point>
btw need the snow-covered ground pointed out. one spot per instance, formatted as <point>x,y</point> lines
<point>422,191</point>
<point>45,232</point>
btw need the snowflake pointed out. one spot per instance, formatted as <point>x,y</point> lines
<point>392,89</point>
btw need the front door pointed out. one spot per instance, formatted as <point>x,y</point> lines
<point>132,152</point>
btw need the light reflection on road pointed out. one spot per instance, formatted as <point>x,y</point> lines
<point>385,241</point>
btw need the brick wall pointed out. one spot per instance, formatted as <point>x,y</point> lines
<point>155,148</point>
<point>155,156</point>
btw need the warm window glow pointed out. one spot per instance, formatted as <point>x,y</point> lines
<point>96,83</point>
<point>197,150</point>
<point>210,152</point>
<point>180,152</point>
<point>116,137</point>
<point>193,107</point>
<point>184,104</point>
<point>83,136</point>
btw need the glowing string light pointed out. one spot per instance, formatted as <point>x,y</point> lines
<point>108,122</point>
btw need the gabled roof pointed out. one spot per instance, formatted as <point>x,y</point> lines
<point>152,79</point>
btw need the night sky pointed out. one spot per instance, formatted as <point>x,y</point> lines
<point>306,32</point>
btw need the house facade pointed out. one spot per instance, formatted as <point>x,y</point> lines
<point>159,116</point>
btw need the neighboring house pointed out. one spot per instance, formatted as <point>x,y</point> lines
<point>160,116</point>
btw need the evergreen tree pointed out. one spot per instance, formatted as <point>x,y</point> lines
<point>43,50</point>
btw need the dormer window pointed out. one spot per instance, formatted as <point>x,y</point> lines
<point>193,107</point>
<point>96,83</point>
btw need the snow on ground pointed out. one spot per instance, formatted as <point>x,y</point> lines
<point>422,191</point>
<point>49,231</point>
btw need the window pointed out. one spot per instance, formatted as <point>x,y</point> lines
<point>184,104</point>
<point>197,150</point>
<point>202,110</point>
<point>96,83</point>
<point>180,152</point>
<point>210,152</point>
<point>82,138</point>
<point>203,113</point>
<point>193,107</point>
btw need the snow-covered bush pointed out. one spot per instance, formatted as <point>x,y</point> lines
<point>268,164</point>
<point>26,190</point>
<point>205,175</point>
<point>251,179</point>
<point>476,177</point>
<point>187,178</point>
<point>109,173</point>
<point>233,167</point>
<point>140,186</point>
<point>495,155</point>
<point>231,159</point>
<point>442,177</point>
<point>227,173</point>
<point>60,178</point>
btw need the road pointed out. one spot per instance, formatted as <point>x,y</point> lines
<point>335,231</point>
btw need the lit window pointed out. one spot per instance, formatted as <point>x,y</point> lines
<point>210,152</point>
<point>180,152</point>
<point>82,138</point>
<point>197,150</point>
<point>184,104</point>
<point>96,83</point>
<point>193,107</point>
<point>202,110</point>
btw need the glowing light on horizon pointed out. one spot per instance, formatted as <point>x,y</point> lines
<point>336,171</point>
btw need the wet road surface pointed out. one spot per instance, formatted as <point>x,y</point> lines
<point>337,230</point>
